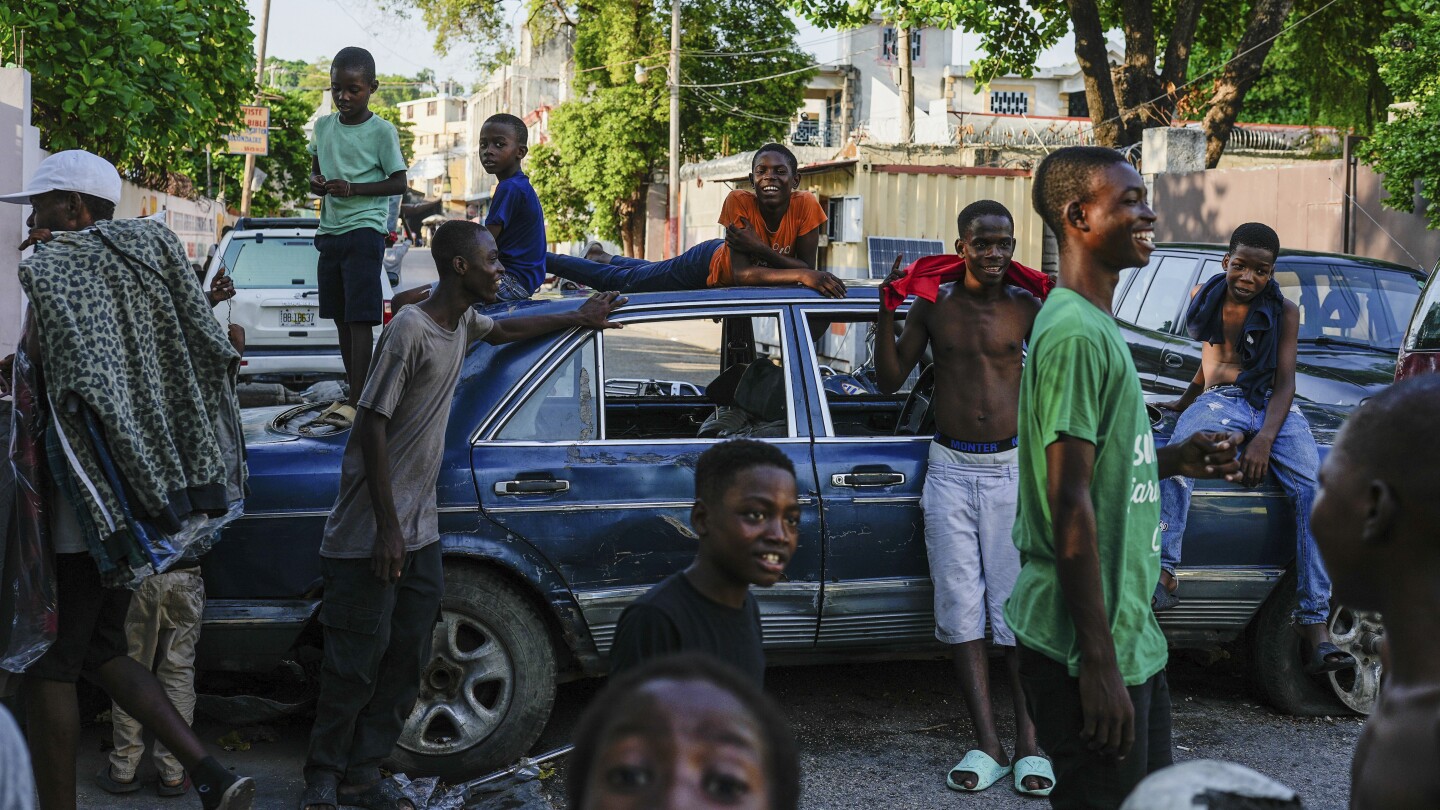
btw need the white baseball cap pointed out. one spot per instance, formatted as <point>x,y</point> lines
<point>72,170</point>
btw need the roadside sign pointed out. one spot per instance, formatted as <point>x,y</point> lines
<point>254,139</point>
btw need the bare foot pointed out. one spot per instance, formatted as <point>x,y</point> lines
<point>595,252</point>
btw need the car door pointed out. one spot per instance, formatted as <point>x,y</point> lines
<point>1152,310</point>
<point>602,483</point>
<point>877,580</point>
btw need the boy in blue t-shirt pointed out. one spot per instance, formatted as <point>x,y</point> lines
<point>515,217</point>
<point>356,166</point>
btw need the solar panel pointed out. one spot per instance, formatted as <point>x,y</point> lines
<point>884,249</point>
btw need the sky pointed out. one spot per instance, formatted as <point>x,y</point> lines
<point>307,29</point>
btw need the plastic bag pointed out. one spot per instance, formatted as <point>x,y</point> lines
<point>28,575</point>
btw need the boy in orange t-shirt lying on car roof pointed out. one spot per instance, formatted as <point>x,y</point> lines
<point>771,238</point>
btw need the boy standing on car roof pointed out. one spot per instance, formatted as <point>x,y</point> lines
<point>1375,519</point>
<point>1092,657</point>
<point>379,556</point>
<point>976,325</point>
<point>356,167</point>
<point>1246,382</point>
<point>747,518</point>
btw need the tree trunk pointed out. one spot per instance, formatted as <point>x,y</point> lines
<point>1177,55</point>
<point>631,211</point>
<point>1135,84</point>
<point>1235,81</point>
<point>1091,53</point>
<point>907,88</point>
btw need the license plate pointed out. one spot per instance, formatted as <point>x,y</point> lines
<point>297,317</point>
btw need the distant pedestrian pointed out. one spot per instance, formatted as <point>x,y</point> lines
<point>976,326</point>
<point>1375,520</point>
<point>1092,657</point>
<point>772,238</point>
<point>356,167</point>
<point>380,555</point>
<point>683,732</point>
<point>747,518</point>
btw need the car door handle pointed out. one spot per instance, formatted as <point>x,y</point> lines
<point>1173,360</point>
<point>530,487</point>
<point>867,479</point>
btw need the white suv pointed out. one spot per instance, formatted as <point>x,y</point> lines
<point>277,299</point>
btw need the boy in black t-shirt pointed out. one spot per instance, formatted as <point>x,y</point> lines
<point>746,515</point>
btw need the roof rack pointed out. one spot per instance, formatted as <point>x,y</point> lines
<point>258,223</point>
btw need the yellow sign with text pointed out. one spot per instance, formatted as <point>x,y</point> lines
<point>255,138</point>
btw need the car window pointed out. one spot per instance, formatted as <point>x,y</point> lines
<point>1135,294</point>
<point>697,377</point>
<point>845,353</point>
<point>1125,276</point>
<point>1208,270</point>
<point>1425,331</point>
<point>1351,303</point>
<point>562,407</point>
<point>275,262</point>
<point>1165,299</point>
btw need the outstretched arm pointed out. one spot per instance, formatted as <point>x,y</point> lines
<point>593,314</point>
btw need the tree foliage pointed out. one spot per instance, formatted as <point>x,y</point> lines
<point>477,24</point>
<point>1406,149</point>
<point>287,166</point>
<point>311,80</point>
<point>139,82</point>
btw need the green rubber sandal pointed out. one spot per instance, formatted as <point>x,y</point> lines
<point>987,771</point>
<point>1026,767</point>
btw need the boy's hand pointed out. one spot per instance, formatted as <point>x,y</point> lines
<point>1172,405</point>
<point>317,185</point>
<point>337,188</point>
<point>37,235</point>
<point>827,284</point>
<point>595,311</point>
<point>743,237</point>
<point>1210,455</point>
<point>1108,713</point>
<point>1256,460</point>
<point>222,288</point>
<point>896,273</point>
<point>388,556</point>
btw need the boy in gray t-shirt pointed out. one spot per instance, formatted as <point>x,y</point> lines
<point>381,564</point>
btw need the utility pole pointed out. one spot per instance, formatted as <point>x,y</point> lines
<point>907,88</point>
<point>259,84</point>
<point>672,215</point>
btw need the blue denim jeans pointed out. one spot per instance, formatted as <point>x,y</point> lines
<point>688,271</point>
<point>1294,460</point>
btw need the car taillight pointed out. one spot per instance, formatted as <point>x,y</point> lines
<point>1413,364</point>
<point>386,313</point>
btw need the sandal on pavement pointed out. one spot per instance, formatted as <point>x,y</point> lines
<point>110,784</point>
<point>1163,599</point>
<point>1026,767</point>
<point>383,795</point>
<point>1318,659</point>
<point>172,789</point>
<point>985,768</point>
<point>319,794</point>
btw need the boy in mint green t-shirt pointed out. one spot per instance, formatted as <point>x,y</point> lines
<point>1092,657</point>
<point>356,167</point>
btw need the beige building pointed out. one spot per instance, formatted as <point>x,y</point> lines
<point>441,162</point>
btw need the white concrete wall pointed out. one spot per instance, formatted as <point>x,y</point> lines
<point>878,105</point>
<point>19,155</point>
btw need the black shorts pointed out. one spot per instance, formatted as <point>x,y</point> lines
<point>349,275</point>
<point>91,621</point>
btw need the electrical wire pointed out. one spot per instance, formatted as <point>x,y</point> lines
<point>777,75</point>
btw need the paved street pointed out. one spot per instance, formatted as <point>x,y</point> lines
<point>883,734</point>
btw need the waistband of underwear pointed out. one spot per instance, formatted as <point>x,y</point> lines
<point>981,448</point>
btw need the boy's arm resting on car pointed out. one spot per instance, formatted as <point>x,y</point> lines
<point>593,314</point>
<point>789,270</point>
<point>1257,453</point>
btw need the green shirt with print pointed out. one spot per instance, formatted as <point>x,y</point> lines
<point>1079,381</point>
<point>367,152</point>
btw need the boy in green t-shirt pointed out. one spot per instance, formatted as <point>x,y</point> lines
<point>356,166</point>
<point>1092,657</point>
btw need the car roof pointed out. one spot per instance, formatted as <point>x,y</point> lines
<point>267,223</point>
<point>864,292</point>
<point>1288,253</point>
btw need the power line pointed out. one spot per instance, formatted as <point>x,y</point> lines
<point>779,75</point>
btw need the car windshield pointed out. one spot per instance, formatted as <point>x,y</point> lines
<point>1425,332</point>
<point>272,262</point>
<point>1350,304</point>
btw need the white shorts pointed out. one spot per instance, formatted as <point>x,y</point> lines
<point>969,514</point>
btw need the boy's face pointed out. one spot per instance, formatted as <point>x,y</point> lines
<point>750,534</point>
<point>351,90</point>
<point>773,179</point>
<point>500,150</point>
<point>1338,521</point>
<point>677,744</point>
<point>1120,226</point>
<point>1247,271</point>
<point>481,279</point>
<point>987,247</point>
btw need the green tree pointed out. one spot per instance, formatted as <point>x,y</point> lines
<point>287,166</point>
<point>139,82</point>
<point>1406,149</point>
<point>477,24</point>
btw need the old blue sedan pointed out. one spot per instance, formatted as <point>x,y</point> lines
<point>563,496</point>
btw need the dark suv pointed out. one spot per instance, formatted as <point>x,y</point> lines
<point>1353,313</point>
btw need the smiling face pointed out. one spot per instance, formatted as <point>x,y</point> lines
<point>773,179</point>
<point>749,535</point>
<point>351,89</point>
<point>988,248</point>
<point>479,268</point>
<point>1247,272</point>
<point>679,744</point>
<point>1120,228</point>
<point>500,151</point>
